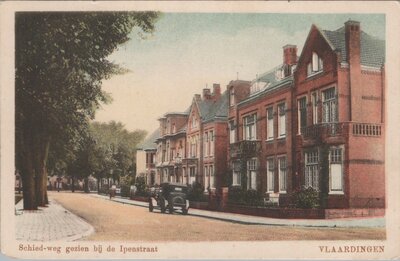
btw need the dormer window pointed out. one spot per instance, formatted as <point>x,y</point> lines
<point>315,65</point>
<point>279,74</point>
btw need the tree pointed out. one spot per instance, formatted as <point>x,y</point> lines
<point>117,147</point>
<point>61,61</point>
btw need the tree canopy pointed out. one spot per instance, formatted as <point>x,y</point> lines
<point>61,61</point>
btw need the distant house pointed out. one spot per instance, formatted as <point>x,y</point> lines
<point>146,158</point>
<point>171,147</point>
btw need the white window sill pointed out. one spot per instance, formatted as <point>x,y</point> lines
<point>282,192</point>
<point>311,75</point>
<point>269,140</point>
<point>282,138</point>
<point>336,193</point>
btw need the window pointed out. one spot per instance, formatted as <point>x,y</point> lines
<point>231,97</point>
<point>173,128</point>
<point>192,175</point>
<point>184,176</point>
<point>250,127</point>
<point>336,169</point>
<point>206,178</point>
<point>270,123</point>
<point>193,147</point>
<point>206,152</point>
<point>314,98</point>
<point>316,64</point>
<point>282,174</point>
<point>236,179</point>
<point>329,109</point>
<point>212,176</point>
<point>167,153</point>
<point>232,132</point>
<point>282,120</point>
<point>302,113</point>
<point>311,174</point>
<point>194,122</point>
<point>270,175</point>
<point>211,142</point>
<point>252,174</point>
<point>165,175</point>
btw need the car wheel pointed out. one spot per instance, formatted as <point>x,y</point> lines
<point>171,209</point>
<point>185,211</point>
<point>151,207</point>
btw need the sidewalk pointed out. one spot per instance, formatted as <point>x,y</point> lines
<point>374,222</point>
<point>52,223</point>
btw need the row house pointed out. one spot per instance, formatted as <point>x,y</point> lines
<point>146,158</point>
<point>171,147</point>
<point>339,94</point>
<point>316,120</point>
<point>260,113</point>
<point>207,135</point>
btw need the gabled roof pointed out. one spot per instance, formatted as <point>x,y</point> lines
<point>372,49</point>
<point>149,142</point>
<point>210,110</point>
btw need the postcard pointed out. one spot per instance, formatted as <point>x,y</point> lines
<point>199,130</point>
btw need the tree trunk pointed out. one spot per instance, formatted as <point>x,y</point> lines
<point>73,184</point>
<point>41,153</point>
<point>86,185</point>
<point>24,162</point>
<point>28,184</point>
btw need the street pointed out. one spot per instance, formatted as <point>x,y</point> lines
<point>113,221</point>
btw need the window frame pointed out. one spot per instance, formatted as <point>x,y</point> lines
<point>311,169</point>
<point>246,126</point>
<point>280,168</point>
<point>270,174</point>
<point>280,116</point>
<point>270,123</point>
<point>299,113</point>
<point>335,148</point>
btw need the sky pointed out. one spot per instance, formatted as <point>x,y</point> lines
<point>190,51</point>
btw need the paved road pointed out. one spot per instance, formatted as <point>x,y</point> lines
<point>52,223</point>
<point>115,221</point>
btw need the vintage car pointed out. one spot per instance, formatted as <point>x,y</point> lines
<point>169,196</point>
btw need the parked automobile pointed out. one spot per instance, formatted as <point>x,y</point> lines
<point>169,196</point>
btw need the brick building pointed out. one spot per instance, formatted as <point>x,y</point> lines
<point>316,120</point>
<point>339,93</point>
<point>260,113</point>
<point>171,147</point>
<point>207,136</point>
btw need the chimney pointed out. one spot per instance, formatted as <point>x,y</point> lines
<point>197,97</point>
<point>353,37</point>
<point>216,91</point>
<point>353,53</point>
<point>289,54</point>
<point>206,94</point>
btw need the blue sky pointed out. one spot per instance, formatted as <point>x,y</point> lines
<point>189,51</point>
